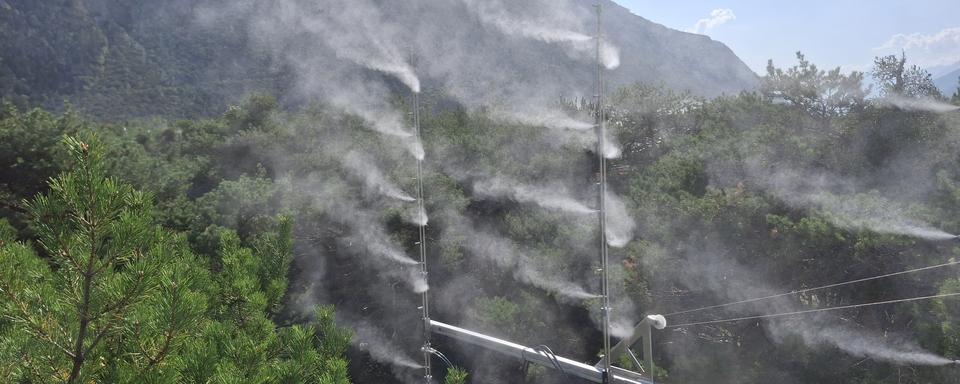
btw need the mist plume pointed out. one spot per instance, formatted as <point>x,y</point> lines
<point>550,197</point>
<point>838,201</point>
<point>364,168</point>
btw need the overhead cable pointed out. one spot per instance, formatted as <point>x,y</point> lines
<point>814,310</point>
<point>952,263</point>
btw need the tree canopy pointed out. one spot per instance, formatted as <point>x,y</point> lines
<point>198,250</point>
<point>104,294</point>
<point>894,77</point>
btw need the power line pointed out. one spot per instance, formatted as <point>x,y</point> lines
<point>816,288</point>
<point>814,310</point>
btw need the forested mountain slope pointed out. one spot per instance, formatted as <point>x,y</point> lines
<point>733,198</point>
<point>116,59</point>
<point>252,209</point>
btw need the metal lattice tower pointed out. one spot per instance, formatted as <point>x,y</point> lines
<point>603,371</point>
<point>602,199</point>
<point>422,223</point>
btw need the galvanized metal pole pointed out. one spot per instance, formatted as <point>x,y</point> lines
<point>601,144</point>
<point>421,221</point>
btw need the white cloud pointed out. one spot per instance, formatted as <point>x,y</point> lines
<point>949,36</point>
<point>717,18</point>
<point>926,50</point>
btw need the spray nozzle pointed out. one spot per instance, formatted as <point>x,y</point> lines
<point>428,349</point>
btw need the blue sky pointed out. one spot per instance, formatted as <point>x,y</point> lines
<point>835,33</point>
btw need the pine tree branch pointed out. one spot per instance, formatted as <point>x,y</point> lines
<point>143,351</point>
<point>124,301</point>
<point>88,275</point>
<point>28,364</point>
<point>25,318</point>
<point>79,356</point>
<point>65,251</point>
<point>117,309</point>
<point>102,332</point>
<point>137,334</point>
<point>169,333</point>
<point>106,262</point>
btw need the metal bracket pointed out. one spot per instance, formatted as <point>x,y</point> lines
<point>643,330</point>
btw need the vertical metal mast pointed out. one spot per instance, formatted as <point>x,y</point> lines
<point>601,144</point>
<point>421,221</point>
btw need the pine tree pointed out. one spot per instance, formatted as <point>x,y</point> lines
<point>242,344</point>
<point>455,375</point>
<point>110,290</point>
<point>824,94</point>
<point>106,295</point>
<point>894,77</point>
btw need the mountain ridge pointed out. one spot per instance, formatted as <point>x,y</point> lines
<point>117,59</point>
<point>949,82</point>
<point>696,55</point>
